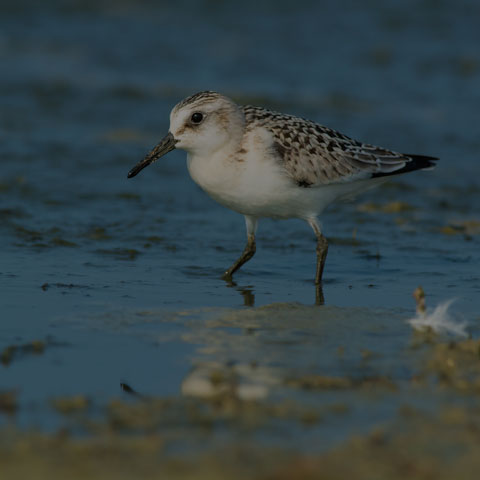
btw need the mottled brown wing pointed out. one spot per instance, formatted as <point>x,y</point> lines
<point>316,155</point>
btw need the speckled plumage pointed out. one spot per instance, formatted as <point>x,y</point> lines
<point>198,99</point>
<point>315,155</point>
<point>262,163</point>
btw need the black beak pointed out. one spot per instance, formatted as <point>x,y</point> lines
<point>167,144</point>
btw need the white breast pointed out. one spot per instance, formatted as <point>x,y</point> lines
<point>255,183</point>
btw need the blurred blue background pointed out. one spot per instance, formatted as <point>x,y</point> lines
<point>86,88</point>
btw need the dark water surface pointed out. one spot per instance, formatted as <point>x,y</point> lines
<point>120,279</point>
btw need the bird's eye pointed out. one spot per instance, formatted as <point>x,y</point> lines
<point>197,118</point>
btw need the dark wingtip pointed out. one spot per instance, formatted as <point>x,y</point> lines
<point>416,162</point>
<point>420,162</point>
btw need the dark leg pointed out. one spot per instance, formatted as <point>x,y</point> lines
<point>246,255</point>
<point>319,298</point>
<point>322,249</point>
<point>249,250</point>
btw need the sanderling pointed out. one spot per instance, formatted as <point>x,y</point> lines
<point>262,163</point>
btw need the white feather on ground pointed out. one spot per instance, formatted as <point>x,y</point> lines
<point>440,320</point>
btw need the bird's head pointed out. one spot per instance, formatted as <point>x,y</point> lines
<point>201,124</point>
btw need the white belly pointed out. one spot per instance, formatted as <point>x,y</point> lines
<point>259,187</point>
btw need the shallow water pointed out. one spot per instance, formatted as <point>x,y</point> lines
<point>121,278</point>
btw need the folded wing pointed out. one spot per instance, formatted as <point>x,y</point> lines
<point>314,155</point>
